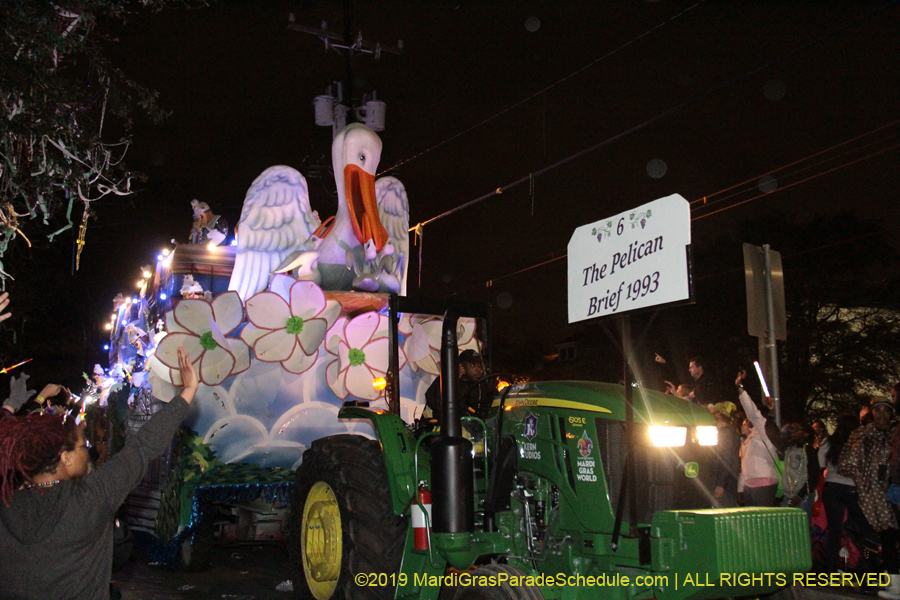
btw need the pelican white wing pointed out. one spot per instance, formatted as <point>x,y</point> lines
<point>393,210</point>
<point>275,221</point>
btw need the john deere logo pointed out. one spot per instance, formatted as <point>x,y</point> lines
<point>691,470</point>
<point>530,427</point>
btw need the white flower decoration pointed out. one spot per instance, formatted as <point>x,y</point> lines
<point>288,327</point>
<point>200,327</point>
<point>360,347</point>
<point>423,340</point>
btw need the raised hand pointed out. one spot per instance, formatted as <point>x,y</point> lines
<point>188,376</point>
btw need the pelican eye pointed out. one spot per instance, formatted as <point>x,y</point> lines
<point>362,158</point>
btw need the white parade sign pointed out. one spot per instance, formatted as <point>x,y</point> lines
<point>633,260</point>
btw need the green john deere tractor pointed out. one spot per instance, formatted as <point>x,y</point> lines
<point>566,490</point>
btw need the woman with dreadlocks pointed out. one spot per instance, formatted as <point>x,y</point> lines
<point>56,519</point>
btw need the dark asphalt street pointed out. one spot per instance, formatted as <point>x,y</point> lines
<point>254,573</point>
<point>237,573</point>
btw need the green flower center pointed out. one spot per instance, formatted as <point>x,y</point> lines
<point>357,357</point>
<point>294,325</point>
<point>207,341</point>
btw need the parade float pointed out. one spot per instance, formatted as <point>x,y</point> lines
<point>312,359</point>
<point>284,324</point>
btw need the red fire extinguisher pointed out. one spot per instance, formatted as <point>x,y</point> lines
<point>420,526</point>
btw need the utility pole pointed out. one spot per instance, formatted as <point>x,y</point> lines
<point>333,111</point>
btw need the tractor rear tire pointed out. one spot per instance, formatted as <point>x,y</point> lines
<point>341,522</point>
<point>503,591</point>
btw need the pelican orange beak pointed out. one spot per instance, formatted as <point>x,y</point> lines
<point>359,188</point>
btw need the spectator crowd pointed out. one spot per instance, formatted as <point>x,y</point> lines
<point>846,477</point>
<point>59,536</point>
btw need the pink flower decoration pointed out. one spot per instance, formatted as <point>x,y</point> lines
<point>200,327</point>
<point>289,326</point>
<point>360,347</point>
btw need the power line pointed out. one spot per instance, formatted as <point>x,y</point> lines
<point>753,180</point>
<point>790,185</point>
<point>784,176</point>
<point>808,250</point>
<point>490,282</point>
<point>419,228</point>
<point>553,258</point>
<point>541,91</point>
<point>654,119</point>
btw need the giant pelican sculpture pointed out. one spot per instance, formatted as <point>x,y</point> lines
<point>366,247</point>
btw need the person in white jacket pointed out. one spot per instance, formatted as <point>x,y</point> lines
<point>758,482</point>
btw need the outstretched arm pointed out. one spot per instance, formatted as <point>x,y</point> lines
<point>108,486</point>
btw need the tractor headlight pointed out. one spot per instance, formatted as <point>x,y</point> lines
<point>707,435</point>
<point>665,436</point>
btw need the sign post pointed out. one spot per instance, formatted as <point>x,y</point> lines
<point>634,260</point>
<point>766,317</point>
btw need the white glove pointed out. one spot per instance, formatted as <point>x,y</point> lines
<point>19,393</point>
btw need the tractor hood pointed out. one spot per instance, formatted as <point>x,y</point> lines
<point>607,400</point>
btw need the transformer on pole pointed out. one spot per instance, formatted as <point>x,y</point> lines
<point>332,110</point>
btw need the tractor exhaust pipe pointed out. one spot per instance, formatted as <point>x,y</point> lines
<point>452,481</point>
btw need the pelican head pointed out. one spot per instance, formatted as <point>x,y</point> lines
<point>355,154</point>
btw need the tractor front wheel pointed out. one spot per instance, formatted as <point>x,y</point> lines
<point>341,523</point>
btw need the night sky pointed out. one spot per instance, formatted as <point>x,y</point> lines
<point>722,92</point>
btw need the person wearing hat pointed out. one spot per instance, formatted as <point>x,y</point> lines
<point>728,458</point>
<point>801,468</point>
<point>473,393</point>
<point>867,461</point>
